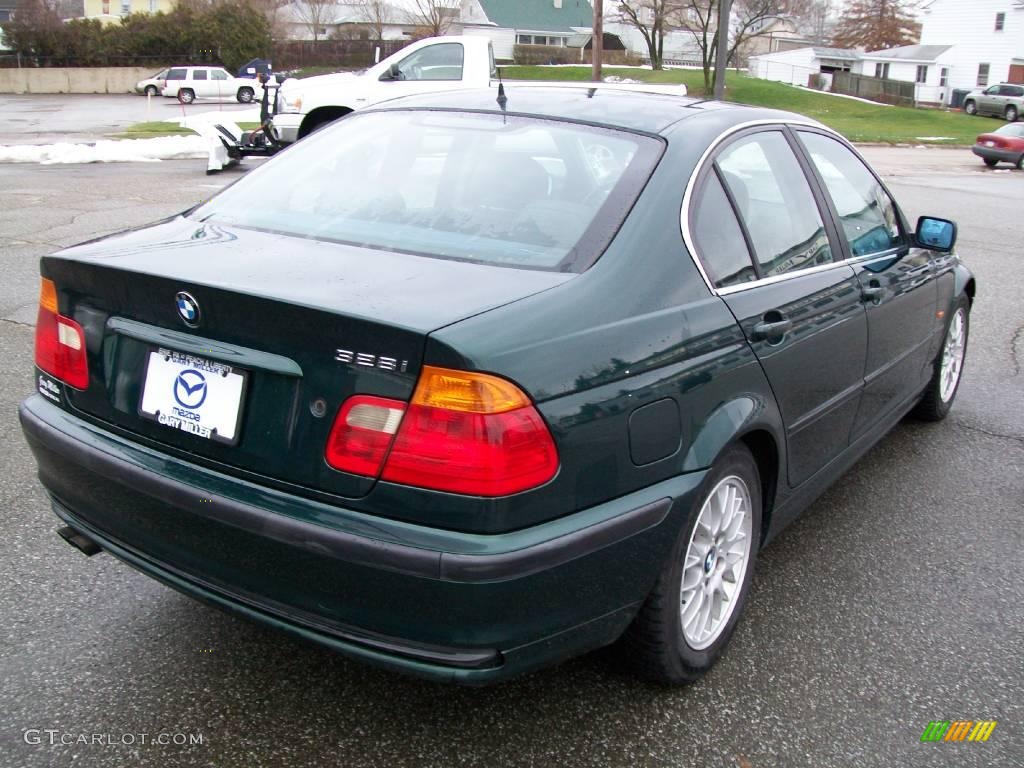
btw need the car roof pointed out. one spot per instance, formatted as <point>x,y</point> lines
<point>609,105</point>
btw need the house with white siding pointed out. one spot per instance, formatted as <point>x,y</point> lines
<point>964,45</point>
<point>509,23</point>
<point>802,65</point>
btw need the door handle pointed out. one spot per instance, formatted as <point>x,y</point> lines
<point>871,292</point>
<point>771,329</point>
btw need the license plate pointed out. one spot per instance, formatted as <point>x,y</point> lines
<point>193,395</point>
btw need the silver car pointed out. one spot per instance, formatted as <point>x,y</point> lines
<point>1003,100</point>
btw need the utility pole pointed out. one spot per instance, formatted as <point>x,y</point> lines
<point>722,53</point>
<point>597,43</point>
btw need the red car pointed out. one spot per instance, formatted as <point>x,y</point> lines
<point>1003,145</point>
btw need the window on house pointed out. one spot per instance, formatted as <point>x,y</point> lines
<point>944,77</point>
<point>1000,21</point>
<point>882,70</point>
<point>922,74</point>
<point>982,75</point>
<point>106,7</point>
<point>126,7</point>
<point>153,6</point>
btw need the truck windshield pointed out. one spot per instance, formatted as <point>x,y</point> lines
<point>489,188</point>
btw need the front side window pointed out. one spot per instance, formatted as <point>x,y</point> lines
<point>435,62</point>
<point>497,189</point>
<point>867,213</point>
<point>982,75</point>
<point>718,238</point>
<point>218,74</point>
<point>776,204</point>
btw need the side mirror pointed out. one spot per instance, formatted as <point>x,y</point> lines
<point>936,234</point>
<point>393,73</point>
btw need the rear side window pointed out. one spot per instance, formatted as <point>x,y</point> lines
<point>176,74</point>
<point>489,188</point>
<point>198,74</point>
<point>718,237</point>
<point>868,215</point>
<point>776,204</point>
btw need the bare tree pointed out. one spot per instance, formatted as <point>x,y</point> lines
<point>877,24</point>
<point>749,19</point>
<point>811,18</point>
<point>433,18</point>
<point>653,19</point>
<point>314,14</point>
<point>376,14</point>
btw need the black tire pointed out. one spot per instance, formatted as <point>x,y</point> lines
<point>186,95</point>
<point>990,161</point>
<point>1011,114</point>
<point>654,645</point>
<point>1019,165</point>
<point>245,95</point>
<point>932,407</point>
<point>150,90</point>
<point>970,108</point>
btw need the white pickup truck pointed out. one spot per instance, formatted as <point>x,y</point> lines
<point>427,66</point>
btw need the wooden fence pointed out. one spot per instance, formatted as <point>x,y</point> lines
<point>898,92</point>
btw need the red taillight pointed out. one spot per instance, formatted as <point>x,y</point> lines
<point>362,434</point>
<point>60,341</point>
<point>463,432</point>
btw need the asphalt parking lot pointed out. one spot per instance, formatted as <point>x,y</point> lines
<point>37,119</point>
<point>897,599</point>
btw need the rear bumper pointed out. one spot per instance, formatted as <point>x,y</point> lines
<point>993,153</point>
<point>440,604</point>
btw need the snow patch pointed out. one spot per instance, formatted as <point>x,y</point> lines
<point>622,80</point>
<point>111,151</point>
<point>934,138</point>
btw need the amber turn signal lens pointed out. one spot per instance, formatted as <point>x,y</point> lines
<point>467,391</point>
<point>48,295</point>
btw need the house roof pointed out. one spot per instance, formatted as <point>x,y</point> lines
<point>539,15</point>
<point>910,53</point>
<point>836,53</point>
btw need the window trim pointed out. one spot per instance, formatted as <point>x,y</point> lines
<point>787,126</point>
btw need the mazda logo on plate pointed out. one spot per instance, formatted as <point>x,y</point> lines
<point>190,389</point>
<point>188,309</point>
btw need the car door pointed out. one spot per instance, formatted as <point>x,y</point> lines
<point>221,84</point>
<point>799,308</point>
<point>437,67</point>
<point>989,102</point>
<point>897,281</point>
<point>201,83</point>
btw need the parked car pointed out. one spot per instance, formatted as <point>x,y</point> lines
<point>1003,100</point>
<point>152,86</point>
<point>190,83</point>
<point>463,388</point>
<point>1004,145</point>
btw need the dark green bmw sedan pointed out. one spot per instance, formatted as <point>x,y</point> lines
<point>463,388</point>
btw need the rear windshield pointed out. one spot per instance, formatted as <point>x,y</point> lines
<point>1011,129</point>
<point>488,188</point>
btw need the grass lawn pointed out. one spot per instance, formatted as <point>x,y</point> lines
<point>856,120</point>
<point>156,128</point>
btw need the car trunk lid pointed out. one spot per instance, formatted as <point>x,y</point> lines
<point>285,330</point>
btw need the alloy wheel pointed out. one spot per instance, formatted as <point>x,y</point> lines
<point>715,562</point>
<point>953,355</point>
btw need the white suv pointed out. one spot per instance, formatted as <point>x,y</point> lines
<point>190,83</point>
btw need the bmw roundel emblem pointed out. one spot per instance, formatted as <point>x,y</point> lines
<point>188,309</point>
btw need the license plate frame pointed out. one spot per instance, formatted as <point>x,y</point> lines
<point>189,419</point>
